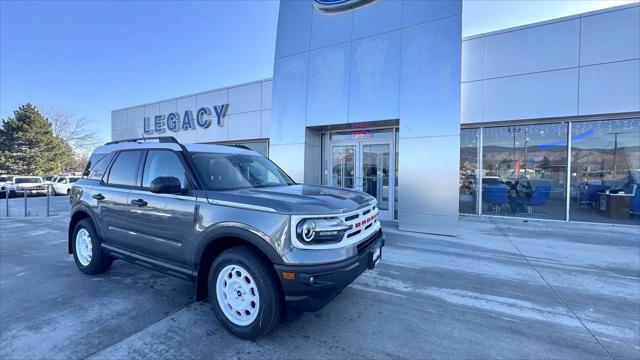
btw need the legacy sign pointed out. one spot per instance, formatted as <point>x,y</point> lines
<point>173,122</point>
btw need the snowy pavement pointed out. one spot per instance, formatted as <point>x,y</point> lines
<point>502,289</point>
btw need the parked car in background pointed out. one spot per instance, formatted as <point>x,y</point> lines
<point>62,184</point>
<point>6,182</point>
<point>32,185</point>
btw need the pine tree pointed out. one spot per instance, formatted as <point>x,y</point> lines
<point>27,144</point>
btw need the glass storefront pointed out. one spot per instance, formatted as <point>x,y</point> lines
<point>605,171</point>
<point>469,142</point>
<point>524,171</point>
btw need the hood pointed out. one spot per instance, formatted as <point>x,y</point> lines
<point>297,199</point>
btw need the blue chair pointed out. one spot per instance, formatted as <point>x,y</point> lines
<point>634,206</point>
<point>496,196</point>
<point>539,197</point>
<point>591,196</point>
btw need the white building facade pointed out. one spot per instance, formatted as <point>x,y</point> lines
<point>539,121</point>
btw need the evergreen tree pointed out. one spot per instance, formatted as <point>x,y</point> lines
<point>28,145</point>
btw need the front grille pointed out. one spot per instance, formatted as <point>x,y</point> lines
<point>363,246</point>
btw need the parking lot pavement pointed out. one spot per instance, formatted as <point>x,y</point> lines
<point>502,289</point>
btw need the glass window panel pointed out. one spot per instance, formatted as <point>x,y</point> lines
<point>124,170</point>
<point>605,171</point>
<point>469,142</point>
<point>397,162</point>
<point>325,159</point>
<point>525,171</point>
<point>375,172</point>
<point>343,163</point>
<point>163,163</point>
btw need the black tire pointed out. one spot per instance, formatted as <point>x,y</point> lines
<point>68,192</point>
<point>100,261</point>
<point>270,294</point>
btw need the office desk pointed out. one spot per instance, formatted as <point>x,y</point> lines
<point>614,205</point>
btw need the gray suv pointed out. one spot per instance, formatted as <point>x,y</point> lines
<point>253,241</point>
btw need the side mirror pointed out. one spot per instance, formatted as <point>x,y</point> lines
<point>166,185</point>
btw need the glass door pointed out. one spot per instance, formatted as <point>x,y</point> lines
<point>343,166</point>
<point>375,170</point>
<point>369,166</point>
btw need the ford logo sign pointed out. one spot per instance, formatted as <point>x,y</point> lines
<point>339,5</point>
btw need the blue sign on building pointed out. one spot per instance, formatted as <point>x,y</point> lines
<point>173,122</point>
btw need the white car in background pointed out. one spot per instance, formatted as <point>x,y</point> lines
<point>6,183</point>
<point>32,185</point>
<point>62,184</point>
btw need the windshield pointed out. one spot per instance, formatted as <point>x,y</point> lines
<point>28,180</point>
<point>73,179</point>
<point>238,171</point>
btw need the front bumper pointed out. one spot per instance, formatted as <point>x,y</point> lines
<point>315,286</point>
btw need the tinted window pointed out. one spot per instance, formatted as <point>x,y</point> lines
<point>162,163</point>
<point>97,165</point>
<point>124,170</point>
<point>4,178</point>
<point>28,180</point>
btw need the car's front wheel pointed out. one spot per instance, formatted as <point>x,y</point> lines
<point>87,252</point>
<point>244,292</point>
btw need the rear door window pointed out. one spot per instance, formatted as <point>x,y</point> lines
<point>124,170</point>
<point>97,165</point>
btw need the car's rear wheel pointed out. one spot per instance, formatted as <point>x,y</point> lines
<point>87,252</point>
<point>244,292</point>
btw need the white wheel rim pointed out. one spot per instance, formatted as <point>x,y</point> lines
<point>84,248</point>
<point>237,295</point>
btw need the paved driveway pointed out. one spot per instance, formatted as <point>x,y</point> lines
<point>503,289</point>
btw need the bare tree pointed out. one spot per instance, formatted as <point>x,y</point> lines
<point>73,130</point>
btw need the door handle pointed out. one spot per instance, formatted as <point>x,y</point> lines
<point>139,202</point>
<point>98,196</point>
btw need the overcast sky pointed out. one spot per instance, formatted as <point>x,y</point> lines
<point>91,57</point>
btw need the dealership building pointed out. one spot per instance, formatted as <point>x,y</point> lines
<point>385,96</point>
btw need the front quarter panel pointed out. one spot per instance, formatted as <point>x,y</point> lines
<point>271,228</point>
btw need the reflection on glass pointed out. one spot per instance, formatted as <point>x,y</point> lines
<point>325,159</point>
<point>343,171</point>
<point>375,173</point>
<point>525,170</point>
<point>468,171</point>
<point>605,171</point>
<point>396,165</point>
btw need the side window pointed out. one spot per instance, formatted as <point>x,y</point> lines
<point>162,163</point>
<point>124,170</point>
<point>97,165</point>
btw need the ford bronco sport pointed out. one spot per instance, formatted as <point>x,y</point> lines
<point>228,218</point>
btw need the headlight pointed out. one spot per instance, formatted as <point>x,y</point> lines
<point>320,231</point>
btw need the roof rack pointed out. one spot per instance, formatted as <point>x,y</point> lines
<point>161,139</point>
